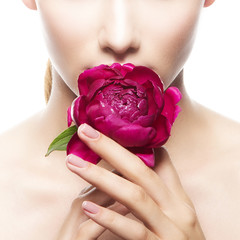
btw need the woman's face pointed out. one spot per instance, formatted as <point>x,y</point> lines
<point>81,34</point>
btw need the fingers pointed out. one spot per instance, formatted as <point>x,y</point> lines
<point>130,166</point>
<point>109,218</point>
<point>145,193</point>
<point>76,216</point>
<point>90,230</point>
<point>129,194</point>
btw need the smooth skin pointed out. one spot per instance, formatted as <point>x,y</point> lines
<point>193,191</point>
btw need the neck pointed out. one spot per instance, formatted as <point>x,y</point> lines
<point>54,117</point>
<point>187,131</point>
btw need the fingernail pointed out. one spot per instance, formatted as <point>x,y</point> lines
<point>90,207</point>
<point>88,131</point>
<point>76,161</point>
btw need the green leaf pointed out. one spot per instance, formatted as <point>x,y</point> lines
<point>61,141</point>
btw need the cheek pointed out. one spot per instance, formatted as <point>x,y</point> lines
<point>173,40</point>
<point>67,30</point>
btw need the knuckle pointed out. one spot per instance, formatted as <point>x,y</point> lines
<point>142,170</point>
<point>146,172</point>
<point>138,194</point>
<point>142,233</point>
<point>108,217</point>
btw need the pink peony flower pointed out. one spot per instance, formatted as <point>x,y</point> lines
<point>126,103</point>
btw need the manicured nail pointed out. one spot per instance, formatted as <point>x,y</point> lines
<point>88,131</point>
<point>90,207</point>
<point>76,161</point>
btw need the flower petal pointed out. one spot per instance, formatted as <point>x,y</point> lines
<point>152,106</point>
<point>78,148</point>
<point>124,69</point>
<point>69,116</point>
<point>163,129</point>
<point>97,109</point>
<point>86,78</point>
<point>94,88</point>
<point>141,74</point>
<point>158,97</point>
<point>171,97</point>
<point>145,154</point>
<point>145,121</point>
<point>109,125</point>
<point>134,135</point>
<point>177,111</point>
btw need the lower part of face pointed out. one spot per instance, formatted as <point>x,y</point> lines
<point>81,34</point>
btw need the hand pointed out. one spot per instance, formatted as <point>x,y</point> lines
<point>77,226</point>
<point>157,200</point>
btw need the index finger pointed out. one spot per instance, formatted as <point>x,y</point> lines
<point>128,164</point>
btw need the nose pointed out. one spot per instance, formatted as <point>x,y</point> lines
<point>118,35</point>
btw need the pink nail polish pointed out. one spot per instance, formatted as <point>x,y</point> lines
<point>88,131</point>
<point>90,207</point>
<point>76,161</point>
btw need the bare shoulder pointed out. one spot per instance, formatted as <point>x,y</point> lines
<point>215,149</point>
<point>223,148</point>
<point>228,132</point>
<point>18,139</point>
<point>213,186</point>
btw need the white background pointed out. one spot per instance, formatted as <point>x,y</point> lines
<point>211,73</point>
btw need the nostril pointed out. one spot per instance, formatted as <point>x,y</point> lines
<point>120,51</point>
<point>119,43</point>
<point>118,56</point>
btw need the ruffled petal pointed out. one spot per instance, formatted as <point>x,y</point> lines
<point>134,135</point>
<point>171,97</point>
<point>97,109</point>
<point>69,116</point>
<point>152,106</point>
<point>123,69</point>
<point>177,111</point>
<point>109,125</point>
<point>128,67</point>
<point>78,148</point>
<point>89,76</point>
<point>141,74</point>
<point>163,129</point>
<point>158,97</point>
<point>94,88</point>
<point>154,96</point>
<point>117,66</point>
<point>145,121</point>
<point>145,154</point>
<point>140,89</point>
